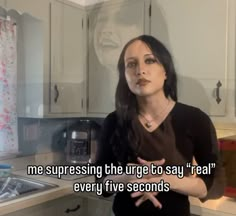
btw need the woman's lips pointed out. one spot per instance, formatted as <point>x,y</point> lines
<point>142,82</point>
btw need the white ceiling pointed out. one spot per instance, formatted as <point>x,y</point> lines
<point>81,2</point>
<point>87,2</point>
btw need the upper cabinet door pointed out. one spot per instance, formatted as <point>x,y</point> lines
<point>111,26</point>
<point>2,3</point>
<point>196,33</point>
<point>67,59</point>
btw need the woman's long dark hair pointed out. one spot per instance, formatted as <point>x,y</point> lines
<point>126,103</point>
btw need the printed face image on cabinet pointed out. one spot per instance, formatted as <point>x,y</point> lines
<point>110,28</point>
<point>111,32</point>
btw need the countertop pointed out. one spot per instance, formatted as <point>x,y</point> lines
<point>224,205</point>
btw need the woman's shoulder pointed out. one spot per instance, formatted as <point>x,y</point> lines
<point>111,117</point>
<point>189,112</point>
<point>110,121</point>
<point>181,107</point>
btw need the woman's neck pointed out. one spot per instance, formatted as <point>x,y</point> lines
<point>152,105</point>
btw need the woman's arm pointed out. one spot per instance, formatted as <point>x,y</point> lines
<point>132,178</point>
<point>191,186</point>
<point>206,151</point>
<point>203,186</point>
<point>124,178</point>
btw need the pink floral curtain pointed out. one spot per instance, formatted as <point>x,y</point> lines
<point>8,87</point>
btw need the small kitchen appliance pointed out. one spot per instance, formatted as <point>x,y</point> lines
<point>81,142</point>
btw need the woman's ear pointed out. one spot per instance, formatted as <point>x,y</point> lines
<point>165,76</point>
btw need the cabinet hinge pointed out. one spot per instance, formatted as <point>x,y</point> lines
<point>150,10</point>
<point>82,23</point>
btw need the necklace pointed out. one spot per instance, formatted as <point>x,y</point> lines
<point>148,123</point>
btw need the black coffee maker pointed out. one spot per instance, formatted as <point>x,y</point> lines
<point>81,142</point>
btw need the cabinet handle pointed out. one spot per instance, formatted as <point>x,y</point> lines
<point>82,103</point>
<point>218,85</point>
<point>72,210</point>
<point>56,93</point>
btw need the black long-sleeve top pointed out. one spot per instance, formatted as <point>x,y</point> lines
<point>185,133</point>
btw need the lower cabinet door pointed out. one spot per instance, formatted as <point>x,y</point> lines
<point>71,206</point>
<point>45,209</point>
<point>66,206</point>
<point>99,207</point>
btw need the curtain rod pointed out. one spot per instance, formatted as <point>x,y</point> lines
<point>7,19</point>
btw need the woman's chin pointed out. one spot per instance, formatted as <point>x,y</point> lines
<point>146,93</point>
<point>142,93</point>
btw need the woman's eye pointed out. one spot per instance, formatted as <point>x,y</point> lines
<point>131,64</point>
<point>150,61</point>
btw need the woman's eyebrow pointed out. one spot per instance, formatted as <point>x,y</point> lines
<point>149,54</point>
<point>130,58</point>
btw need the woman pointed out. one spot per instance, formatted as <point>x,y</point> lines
<point>150,126</point>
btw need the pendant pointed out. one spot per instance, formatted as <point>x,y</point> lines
<point>148,124</point>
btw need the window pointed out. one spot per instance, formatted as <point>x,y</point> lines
<point>8,86</point>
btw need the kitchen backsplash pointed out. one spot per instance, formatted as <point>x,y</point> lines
<point>38,136</point>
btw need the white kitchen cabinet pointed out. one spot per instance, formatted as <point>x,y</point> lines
<point>51,58</point>
<point>40,210</point>
<point>2,3</point>
<point>99,207</point>
<point>68,46</point>
<point>71,205</point>
<point>111,26</point>
<point>66,206</point>
<point>197,35</point>
<point>33,59</point>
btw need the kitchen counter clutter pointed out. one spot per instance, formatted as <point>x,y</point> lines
<point>64,188</point>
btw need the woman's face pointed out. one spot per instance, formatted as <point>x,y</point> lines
<point>144,74</point>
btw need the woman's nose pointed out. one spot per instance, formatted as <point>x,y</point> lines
<point>141,69</point>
